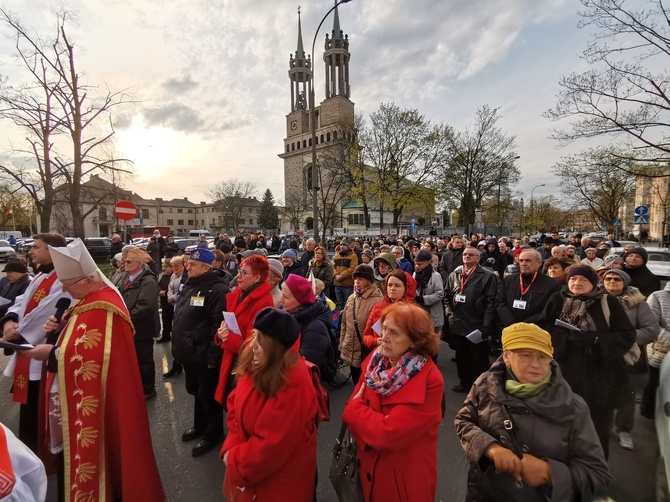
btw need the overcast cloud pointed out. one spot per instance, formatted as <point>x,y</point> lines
<point>210,81</point>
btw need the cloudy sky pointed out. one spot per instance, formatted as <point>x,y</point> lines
<point>210,83</point>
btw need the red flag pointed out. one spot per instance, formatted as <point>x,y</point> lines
<point>9,211</point>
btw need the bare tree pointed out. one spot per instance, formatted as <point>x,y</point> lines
<point>230,198</point>
<point>405,150</point>
<point>625,93</point>
<point>480,164</point>
<point>595,179</point>
<point>58,103</point>
<point>294,208</point>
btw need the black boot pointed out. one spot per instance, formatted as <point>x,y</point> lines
<point>175,370</point>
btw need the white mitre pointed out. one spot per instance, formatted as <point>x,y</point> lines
<point>73,261</point>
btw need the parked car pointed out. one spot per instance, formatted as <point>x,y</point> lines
<point>210,245</point>
<point>98,247</point>
<point>6,251</point>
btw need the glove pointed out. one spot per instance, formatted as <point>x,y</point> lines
<point>419,299</point>
<point>505,460</point>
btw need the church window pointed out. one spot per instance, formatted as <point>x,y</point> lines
<point>304,143</point>
<point>298,145</point>
<point>293,147</point>
<point>328,137</point>
<point>288,148</point>
<point>334,135</point>
<point>322,138</point>
<point>310,141</point>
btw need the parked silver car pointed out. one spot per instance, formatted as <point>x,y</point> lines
<point>6,251</point>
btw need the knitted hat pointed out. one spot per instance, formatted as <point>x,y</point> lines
<point>641,251</point>
<point>523,335</point>
<point>290,253</point>
<point>369,253</point>
<point>611,259</point>
<point>276,267</point>
<point>278,325</point>
<point>423,255</point>
<point>365,272</point>
<point>586,271</point>
<point>345,242</point>
<point>202,255</point>
<point>620,273</point>
<point>240,243</point>
<point>16,266</point>
<point>301,289</point>
<point>226,248</point>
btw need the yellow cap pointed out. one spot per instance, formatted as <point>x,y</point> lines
<point>523,335</point>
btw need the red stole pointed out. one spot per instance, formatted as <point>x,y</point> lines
<point>7,476</point>
<point>22,368</point>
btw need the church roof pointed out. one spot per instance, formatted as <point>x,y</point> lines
<point>300,51</point>
<point>336,23</point>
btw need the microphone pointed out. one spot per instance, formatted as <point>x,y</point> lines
<point>61,306</point>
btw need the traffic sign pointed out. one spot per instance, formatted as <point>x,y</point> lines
<point>413,225</point>
<point>641,210</point>
<point>642,219</point>
<point>125,210</point>
<point>616,223</point>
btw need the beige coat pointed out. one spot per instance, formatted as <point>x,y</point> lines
<point>350,347</point>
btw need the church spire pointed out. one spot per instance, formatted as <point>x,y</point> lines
<point>337,32</point>
<point>300,51</point>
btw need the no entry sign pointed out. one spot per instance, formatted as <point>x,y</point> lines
<point>125,210</point>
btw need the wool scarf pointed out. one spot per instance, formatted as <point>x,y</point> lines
<point>526,390</point>
<point>423,277</point>
<point>385,379</point>
<point>575,309</point>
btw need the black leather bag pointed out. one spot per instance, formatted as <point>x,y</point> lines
<point>344,468</point>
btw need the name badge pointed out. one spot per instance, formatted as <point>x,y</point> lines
<point>460,298</point>
<point>519,304</point>
<point>197,301</point>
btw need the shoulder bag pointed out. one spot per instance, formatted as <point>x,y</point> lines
<point>344,473</point>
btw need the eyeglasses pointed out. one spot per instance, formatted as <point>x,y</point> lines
<point>613,278</point>
<point>529,357</point>
<point>242,273</point>
<point>128,261</point>
<point>67,286</point>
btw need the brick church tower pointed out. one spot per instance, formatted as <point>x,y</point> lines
<point>334,113</point>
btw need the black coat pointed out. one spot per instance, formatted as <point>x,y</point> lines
<point>12,290</point>
<point>536,298</point>
<point>643,279</point>
<point>141,298</point>
<point>592,362</point>
<point>315,322</point>
<point>194,325</point>
<point>478,310</point>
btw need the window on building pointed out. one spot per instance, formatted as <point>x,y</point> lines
<point>356,219</point>
<point>190,222</point>
<point>169,209</point>
<point>170,222</point>
<point>189,210</point>
<point>180,222</point>
<point>145,214</point>
<point>102,214</point>
<point>180,210</point>
<point>251,221</point>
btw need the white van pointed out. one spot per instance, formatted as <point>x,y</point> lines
<point>5,234</point>
<point>197,233</point>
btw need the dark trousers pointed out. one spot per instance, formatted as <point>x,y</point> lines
<point>602,418</point>
<point>144,349</point>
<point>624,421</point>
<point>472,359</point>
<point>167,315</point>
<point>201,383</point>
<point>648,406</point>
<point>29,416</point>
<point>355,374</point>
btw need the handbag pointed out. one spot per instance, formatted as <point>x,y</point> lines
<point>344,468</point>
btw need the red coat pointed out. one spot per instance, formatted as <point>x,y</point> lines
<point>271,442</point>
<point>245,313</point>
<point>397,437</point>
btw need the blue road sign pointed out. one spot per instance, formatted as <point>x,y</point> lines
<point>413,226</point>
<point>641,219</point>
<point>616,223</point>
<point>641,210</point>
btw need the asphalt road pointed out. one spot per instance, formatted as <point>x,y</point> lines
<point>186,478</point>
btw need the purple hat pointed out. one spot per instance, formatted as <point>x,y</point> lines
<point>586,271</point>
<point>301,289</point>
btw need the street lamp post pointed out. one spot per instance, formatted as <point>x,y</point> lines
<point>312,120</point>
<point>531,202</point>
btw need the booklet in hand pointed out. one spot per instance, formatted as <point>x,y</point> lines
<point>15,346</point>
<point>563,324</point>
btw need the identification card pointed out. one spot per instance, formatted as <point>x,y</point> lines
<point>519,304</point>
<point>197,301</point>
<point>460,298</point>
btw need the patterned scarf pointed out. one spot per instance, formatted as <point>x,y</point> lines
<point>575,309</point>
<point>385,379</point>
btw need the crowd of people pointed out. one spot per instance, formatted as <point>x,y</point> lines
<point>546,336</point>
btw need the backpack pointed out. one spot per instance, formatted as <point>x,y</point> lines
<point>329,364</point>
<point>322,397</point>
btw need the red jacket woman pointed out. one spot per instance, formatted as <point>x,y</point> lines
<point>270,450</point>
<point>250,297</point>
<point>403,288</point>
<point>395,411</point>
